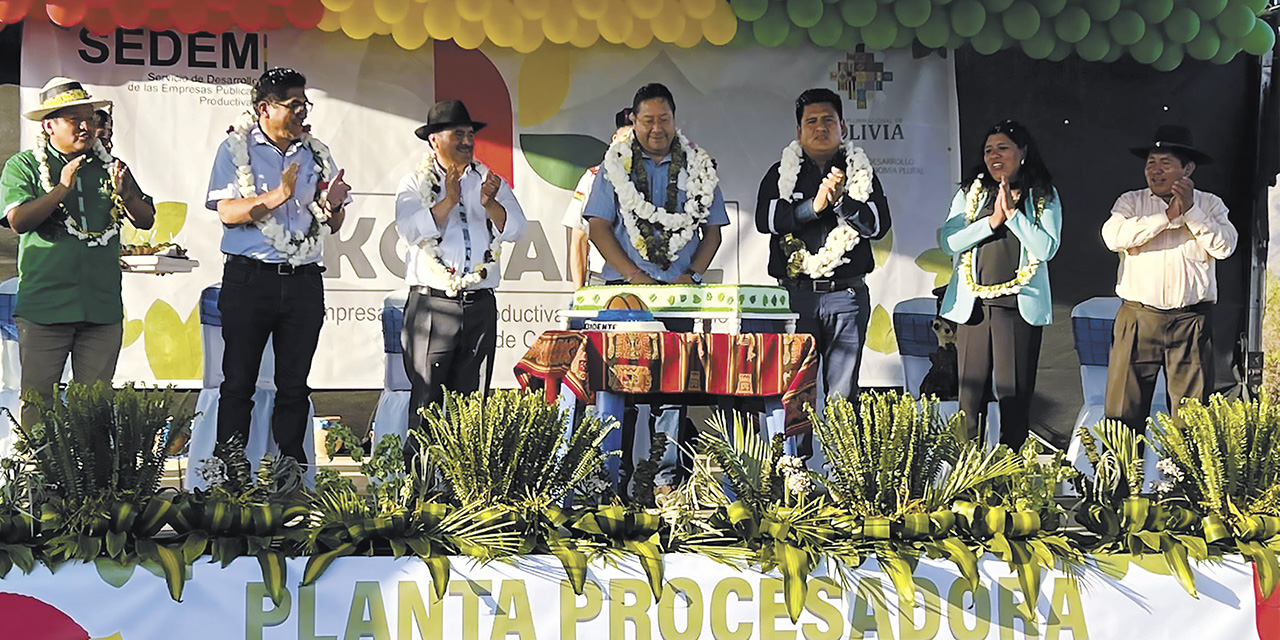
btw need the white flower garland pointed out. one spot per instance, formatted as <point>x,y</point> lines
<point>91,238</point>
<point>974,200</point>
<point>698,179</point>
<point>425,174</point>
<point>841,239</point>
<point>298,247</point>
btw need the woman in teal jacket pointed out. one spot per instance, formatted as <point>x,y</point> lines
<point>1004,227</point>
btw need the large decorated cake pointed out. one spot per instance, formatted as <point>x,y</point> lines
<point>681,298</point>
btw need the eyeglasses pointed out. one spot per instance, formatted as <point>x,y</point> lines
<point>297,106</point>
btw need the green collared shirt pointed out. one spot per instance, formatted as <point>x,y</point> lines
<point>60,277</point>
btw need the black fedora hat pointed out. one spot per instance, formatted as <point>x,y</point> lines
<point>1173,137</point>
<point>446,115</point>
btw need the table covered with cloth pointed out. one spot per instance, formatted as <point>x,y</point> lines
<point>781,365</point>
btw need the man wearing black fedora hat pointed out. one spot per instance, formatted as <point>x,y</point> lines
<point>67,199</point>
<point>1169,236</point>
<point>454,214</point>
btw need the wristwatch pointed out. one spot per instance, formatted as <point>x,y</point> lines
<point>695,277</point>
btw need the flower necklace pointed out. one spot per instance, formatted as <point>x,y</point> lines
<point>695,175</point>
<point>843,237</point>
<point>297,247</point>
<point>108,189</point>
<point>975,199</point>
<point>428,191</point>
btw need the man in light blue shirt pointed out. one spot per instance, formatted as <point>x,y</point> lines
<point>678,248</point>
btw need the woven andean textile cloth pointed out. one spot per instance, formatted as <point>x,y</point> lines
<point>745,364</point>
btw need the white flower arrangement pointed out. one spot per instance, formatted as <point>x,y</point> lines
<point>843,238</point>
<point>298,247</point>
<point>698,180</point>
<point>425,176</point>
<point>108,189</point>
<point>974,200</point>
<point>795,477</point>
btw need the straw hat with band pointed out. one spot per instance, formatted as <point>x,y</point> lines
<point>60,93</point>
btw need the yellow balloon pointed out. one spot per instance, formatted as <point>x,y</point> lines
<point>645,9</point>
<point>503,25</point>
<point>543,84</point>
<point>381,28</point>
<point>591,9</point>
<point>410,33</point>
<point>473,10</point>
<point>720,27</point>
<point>331,21</point>
<point>470,34</point>
<point>561,21</point>
<point>616,23</point>
<point>587,34</point>
<point>440,17</point>
<point>337,6</point>
<point>533,9</point>
<point>692,35</point>
<point>641,34</point>
<point>700,9</point>
<point>391,11</point>
<point>531,37</point>
<point>359,22</point>
<point>669,26</point>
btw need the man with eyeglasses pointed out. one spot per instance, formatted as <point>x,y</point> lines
<point>66,199</point>
<point>278,193</point>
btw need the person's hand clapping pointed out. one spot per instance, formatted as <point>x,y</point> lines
<point>69,171</point>
<point>453,185</point>
<point>829,191</point>
<point>288,180</point>
<point>489,188</point>
<point>338,190</point>
<point>1183,197</point>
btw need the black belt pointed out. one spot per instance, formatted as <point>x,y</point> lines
<point>466,296</point>
<point>1200,307</point>
<point>824,286</point>
<point>279,268</point>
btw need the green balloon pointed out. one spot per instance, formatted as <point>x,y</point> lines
<point>997,6</point>
<point>858,13</point>
<point>1072,25</point>
<point>1040,45</point>
<point>1260,40</point>
<point>773,28</point>
<point>1182,25</point>
<point>850,39</point>
<point>1149,48</point>
<point>804,13</point>
<point>1102,10</point>
<point>990,39</point>
<point>968,17</point>
<point>749,10</point>
<point>743,37</point>
<point>955,41</point>
<point>1226,53</point>
<point>796,37</point>
<point>882,32</point>
<point>1236,21</point>
<point>1208,9</point>
<point>1060,51</point>
<point>1170,59</point>
<point>1096,45</point>
<point>1114,54</point>
<point>1021,21</point>
<point>1206,43</point>
<point>905,36</point>
<point>1256,6</point>
<point>1049,8</point>
<point>1155,11</point>
<point>942,3</point>
<point>912,13</point>
<point>1127,27</point>
<point>935,31</point>
<point>828,30</point>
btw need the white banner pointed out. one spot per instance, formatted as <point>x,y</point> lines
<point>175,95</point>
<point>388,599</point>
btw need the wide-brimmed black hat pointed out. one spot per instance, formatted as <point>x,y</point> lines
<point>1173,137</point>
<point>445,115</point>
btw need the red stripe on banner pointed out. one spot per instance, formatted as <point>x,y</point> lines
<point>1267,610</point>
<point>468,75</point>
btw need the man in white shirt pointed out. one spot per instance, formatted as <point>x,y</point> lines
<point>1169,237</point>
<point>454,214</point>
<point>585,261</point>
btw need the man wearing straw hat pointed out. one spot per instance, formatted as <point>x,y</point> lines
<point>67,199</point>
<point>1169,237</point>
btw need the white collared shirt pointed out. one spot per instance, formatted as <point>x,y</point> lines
<point>1168,264</point>
<point>415,224</point>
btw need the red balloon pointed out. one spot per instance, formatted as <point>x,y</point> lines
<point>189,17</point>
<point>130,14</point>
<point>218,22</point>
<point>160,21</point>
<point>159,4</point>
<point>219,5</point>
<point>100,22</point>
<point>66,13</point>
<point>305,14</point>
<point>250,15</point>
<point>12,11</point>
<point>278,3</point>
<point>277,18</point>
<point>98,4</point>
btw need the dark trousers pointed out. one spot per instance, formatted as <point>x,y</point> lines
<point>446,343</point>
<point>257,304</point>
<point>1143,341</point>
<point>997,351</point>
<point>837,320</point>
